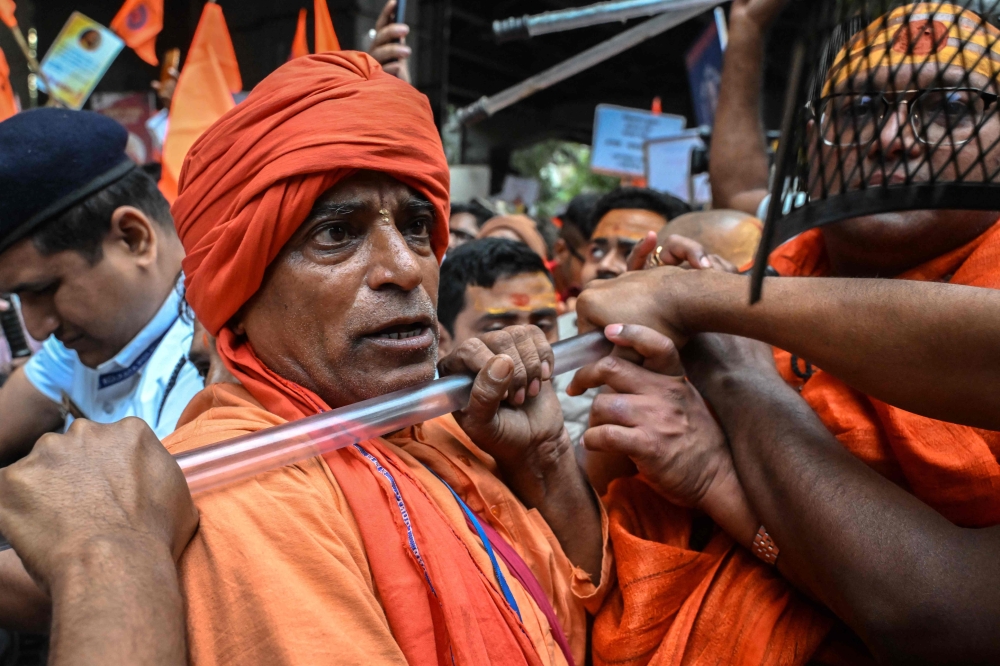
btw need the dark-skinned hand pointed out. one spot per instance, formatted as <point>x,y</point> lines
<point>675,251</point>
<point>655,417</point>
<point>513,414</point>
<point>106,485</point>
<point>389,46</point>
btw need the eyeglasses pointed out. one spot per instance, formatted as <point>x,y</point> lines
<point>946,116</point>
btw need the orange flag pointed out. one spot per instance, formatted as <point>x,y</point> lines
<point>138,22</point>
<point>7,8</point>
<point>326,38</point>
<point>8,106</point>
<point>300,46</point>
<point>204,93</point>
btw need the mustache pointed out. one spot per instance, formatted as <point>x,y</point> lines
<point>373,311</point>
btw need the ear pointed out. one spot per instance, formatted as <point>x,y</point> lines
<point>560,251</point>
<point>134,228</point>
<point>445,341</point>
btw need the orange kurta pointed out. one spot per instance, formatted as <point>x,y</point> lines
<point>278,572</point>
<point>719,605</point>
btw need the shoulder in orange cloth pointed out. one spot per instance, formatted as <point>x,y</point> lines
<point>362,556</point>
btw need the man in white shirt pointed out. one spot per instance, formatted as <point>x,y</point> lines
<point>88,245</point>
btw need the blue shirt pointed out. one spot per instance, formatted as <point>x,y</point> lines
<point>150,378</point>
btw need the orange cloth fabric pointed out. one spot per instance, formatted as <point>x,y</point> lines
<point>326,36</point>
<point>300,46</point>
<point>7,8</point>
<point>952,468</point>
<point>8,106</point>
<point>317,561</point>
<point>676,605</point>
<point>256,173</point>
<point>138,23</point>
<point>284,568</point>
<point>203,94</point>
<point>521,226</point>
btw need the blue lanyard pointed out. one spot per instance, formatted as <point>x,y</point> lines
<point>504,587</point>
<point>117,377</point>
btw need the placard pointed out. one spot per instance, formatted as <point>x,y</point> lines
<point>668,167</point>
<point>619,136</point>
<point>78,59</point>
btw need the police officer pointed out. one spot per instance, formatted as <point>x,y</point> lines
<point>88,246</point>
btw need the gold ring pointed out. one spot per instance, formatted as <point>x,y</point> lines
<point>653,260</point>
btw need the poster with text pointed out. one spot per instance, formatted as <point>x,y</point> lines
<point>78,59</point>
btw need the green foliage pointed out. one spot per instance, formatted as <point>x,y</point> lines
<point>563,170</point>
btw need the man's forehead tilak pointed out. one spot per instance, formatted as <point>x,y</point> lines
<point>629,224</point>
<point>532,293</point>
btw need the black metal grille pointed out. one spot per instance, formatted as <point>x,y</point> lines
<point>891,106</point>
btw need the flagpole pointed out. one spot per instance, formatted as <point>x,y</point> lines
<point>33,65</point>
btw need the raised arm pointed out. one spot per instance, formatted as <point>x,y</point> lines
<point>925,347</point>
<point>738,164</point>
<point>916,588</point>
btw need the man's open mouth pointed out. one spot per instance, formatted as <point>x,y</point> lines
<point>402,332</point>
<point>405,334</point>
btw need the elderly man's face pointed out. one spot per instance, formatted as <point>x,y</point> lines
<point>348,309</point>
<point>911,143</point>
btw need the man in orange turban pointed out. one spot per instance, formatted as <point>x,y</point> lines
<point>314,216</point>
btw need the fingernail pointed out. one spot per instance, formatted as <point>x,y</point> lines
<point>500,369</point>
<point>407,50</point>
<point>705,263</point>
<point>519,396</point>
<point>405,30</point>
<point>614,330</point>
<point>546,371</point>
<point>534,388</point>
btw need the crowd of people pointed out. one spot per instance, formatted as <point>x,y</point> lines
<point>812,479</point>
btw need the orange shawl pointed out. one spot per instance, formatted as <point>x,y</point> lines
<point>246,186</point>
<point>675,605</point>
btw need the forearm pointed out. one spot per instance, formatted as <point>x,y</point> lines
<point>23,606</point>
<point>118,605</point>
<point>556,486</point>
<point>883,561</point>
<point>738,167</point>
<point>25,415</point>
<point>927,348</point>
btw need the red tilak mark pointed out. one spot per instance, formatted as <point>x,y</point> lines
<point>520,300</point>
<point>921,38</point>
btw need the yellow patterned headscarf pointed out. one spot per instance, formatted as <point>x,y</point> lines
<point>917,34</point>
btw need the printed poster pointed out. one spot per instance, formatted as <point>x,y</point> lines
<point>78,59</point>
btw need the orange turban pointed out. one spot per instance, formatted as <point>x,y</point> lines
<point>250,181</point>
<point>919,34</point>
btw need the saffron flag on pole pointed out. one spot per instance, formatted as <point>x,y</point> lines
<point>204,93</point>
<point>326,37</point>
<point>8,106</point>
<point>7,8</point>
<point>138,23</point>
<point>300,46</point>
